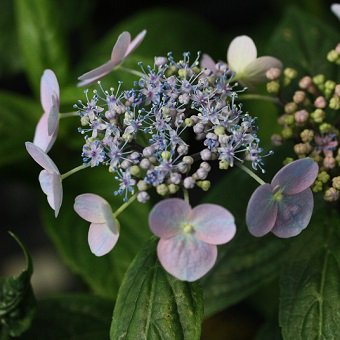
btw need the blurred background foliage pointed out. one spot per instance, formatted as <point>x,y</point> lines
<point>72,37</point>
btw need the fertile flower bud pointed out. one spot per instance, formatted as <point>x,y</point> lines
<point>273,73</point>
<point>188,160</point>
<point>305,82</point>
<point>287,132</point>
<point>135,170</point>
<point>273,87</point>
<point>332,56</point>
<point>329,162</point>
<point>290,107</point>
<point>320,102</point>
<point>223,165</point>
<point>142,186</point>
<point>301,116</point>
<point>205,155</point>
<point>162,189</point>
<point>302,149</point>
<point>336,182</point>
<point>276,139</point>
<point>318,115</point>
<point>331,195</point>
<point>143,197</point>
<point>307,135</point>
<point>189,183</point>
<point>299,97</point>
<point>290,73</point>
<point>173,188</point>
<point>319,79</point>
<point>323,176</point>
<point>204,185</point>
<point>334,103</point>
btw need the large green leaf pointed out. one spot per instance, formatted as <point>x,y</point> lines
<point>17,302</point>
<point>310,290</point>
<point>18,116</point>
<point>42,45</point>
<point>152,304</point>
<point>303,41</point>
<point>73,316</point>
<point>69,233</point>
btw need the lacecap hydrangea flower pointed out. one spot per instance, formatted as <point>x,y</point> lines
<point>122,49</point>
<point>104,228</point>
<point>285,206</point>
<point>47,127</point>
<point>188,237</point>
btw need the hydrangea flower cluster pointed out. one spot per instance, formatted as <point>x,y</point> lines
<point>142,134</point>
<point>310,120</point>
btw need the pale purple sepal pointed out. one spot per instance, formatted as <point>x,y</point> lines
<point>96,74</point>
<point>51,185</point>
<point>294,214</point>
<point>167,217</point>
<point>95,209</point>
<point>41,137</point>
<point>261,211</point>
<point>213,224</point>
<point>101,238</point>
<point>335,8</point>
<point>122,48</point>
<point>53,118</point>
<point>49,88</point>
<point>185,257</point>
<point>208,62</point>
<point>255,72</point>
<point>41,157</point>
<point>241,52</point>
<point>296,176</point>
<point>135,42</point>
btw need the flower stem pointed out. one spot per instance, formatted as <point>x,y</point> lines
<point>131,71</point>
<point>251,96</point>
<point>68,114</point>
<point>124,206</point>
<point>73,171</point>
<point>186,195</point>
<point>250,173</point>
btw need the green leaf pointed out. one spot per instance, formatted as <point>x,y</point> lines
<point>18,118</point>
<point>72,316</point>
<point>246,263</point>
<point>152,304</point>
<point>39,31</point>
<point>69,233</point>
<point>310,291</point>
<point>17,302</point>
<point>269,331</point>
<point>303,41</point>
<point>10,58</point>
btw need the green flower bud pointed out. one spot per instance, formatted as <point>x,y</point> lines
<point>336,182</point>
<point>319,79</point>
<point>307,135</point>
<point>325,128</point>
<point>188,122</point>
<point>290,107</point>
<point>273,87</point>
<point>318,115</point>
<point>317,186</point>
<point>173,188</point>
<point>289,119</point>
<point>182,73</point>
<point>223,165</point>
<point>204,185</point>
<point>288,160</point>
<point>290,73</point>
<point>166,155</point>
<point>135,170</point>
<point>334,103</point>
<point>287,132</point>
<point>332,56</point>
<point>323,177</point>
<point>162,189</point>
<point>219,130</point>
